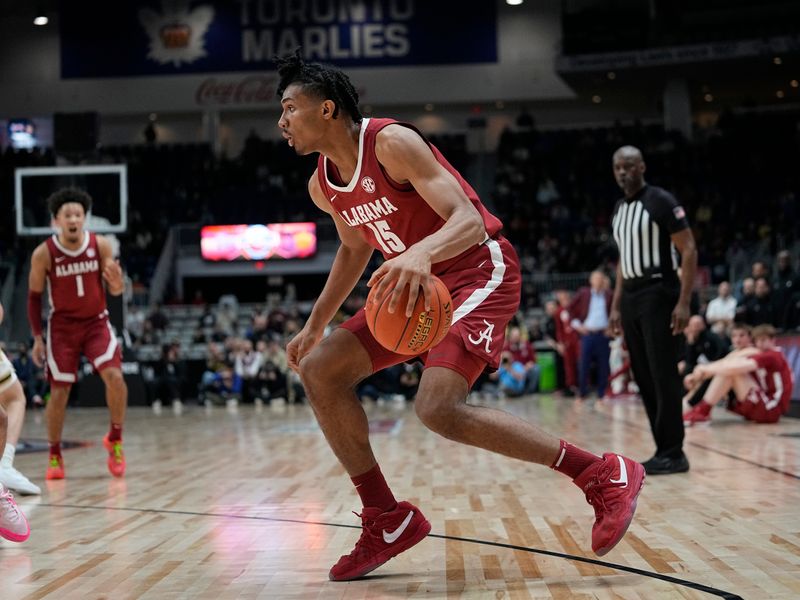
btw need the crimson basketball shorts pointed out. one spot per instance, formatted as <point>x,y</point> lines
<point>485,287</point>
<point>757,407</point>
<point>7,374</point>
<point>67,339</point>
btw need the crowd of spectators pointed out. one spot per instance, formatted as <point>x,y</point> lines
<point>250,354</point>
<point>230,352</point>
<point>553,189</point>
<point>216,353</point>
<point>737,180</point>
<point>769,295</point>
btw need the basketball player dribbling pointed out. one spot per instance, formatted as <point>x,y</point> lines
<point>74,263</point>
<point>388,189</point>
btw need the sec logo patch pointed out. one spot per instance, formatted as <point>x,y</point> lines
<point>368,184</point>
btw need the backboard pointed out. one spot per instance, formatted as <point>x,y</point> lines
<point>106,184</point>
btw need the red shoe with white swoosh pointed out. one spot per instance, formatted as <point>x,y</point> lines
<point>612,487</point>
<point>383,536</point>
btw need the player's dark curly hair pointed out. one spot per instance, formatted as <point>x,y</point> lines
<point>65,195</point>
<point>323,81</point>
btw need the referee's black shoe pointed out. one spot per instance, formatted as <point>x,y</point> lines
<point>666,465</point>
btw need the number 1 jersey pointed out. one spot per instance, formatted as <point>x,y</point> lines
<point>391,216</point>
<point>75,283</point>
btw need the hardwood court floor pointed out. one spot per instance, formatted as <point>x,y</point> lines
<point>251,504</point>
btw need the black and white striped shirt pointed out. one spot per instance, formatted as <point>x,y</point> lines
<point>642,227</point>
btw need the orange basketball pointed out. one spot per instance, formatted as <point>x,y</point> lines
<point>415,334</point>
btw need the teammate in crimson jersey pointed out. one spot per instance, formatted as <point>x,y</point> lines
<point>760,378</point>
<point>387,188</point>
<point>75,263</point>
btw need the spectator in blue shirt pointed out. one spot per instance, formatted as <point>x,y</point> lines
<point>511,376</point>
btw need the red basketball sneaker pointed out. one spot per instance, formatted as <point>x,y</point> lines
<point>612,486</point>
<point>699,413</point>
<point>55,467</point>
<point>383,536</point>
<point>116,457</point>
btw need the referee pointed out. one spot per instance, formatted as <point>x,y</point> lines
<point>651,301</point>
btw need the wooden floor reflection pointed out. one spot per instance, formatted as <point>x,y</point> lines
<point>250,503</point>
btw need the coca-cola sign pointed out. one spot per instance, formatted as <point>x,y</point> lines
<point>253,89</point>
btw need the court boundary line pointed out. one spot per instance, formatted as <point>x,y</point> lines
<point>614,566</point>
<point>745,460</point>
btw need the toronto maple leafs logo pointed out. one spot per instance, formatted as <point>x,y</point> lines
<point>176,34</point>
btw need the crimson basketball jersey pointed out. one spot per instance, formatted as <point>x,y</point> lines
<point>75,282</point>
<point>774,377</point>
<point>391,216</point>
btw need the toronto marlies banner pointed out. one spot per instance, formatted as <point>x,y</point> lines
<point>167,37</point>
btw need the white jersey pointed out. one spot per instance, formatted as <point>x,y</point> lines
<point>7,374</point>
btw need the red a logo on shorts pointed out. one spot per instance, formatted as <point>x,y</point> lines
<point>486,335</point>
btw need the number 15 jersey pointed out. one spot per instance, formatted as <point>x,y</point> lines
<point>391,216</point>
<point>75,283</point>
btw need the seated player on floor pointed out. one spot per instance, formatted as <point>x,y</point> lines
<point>761,381</point>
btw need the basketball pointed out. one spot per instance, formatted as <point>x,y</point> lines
<point>415,334</point>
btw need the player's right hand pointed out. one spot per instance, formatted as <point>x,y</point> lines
<point>412,268</point>
<point>301,344</point>
<point>615,322</point>
<point>38,352</point>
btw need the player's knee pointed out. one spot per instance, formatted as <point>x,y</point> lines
<point>3,419</point>
<point>14,395</point>
<point>59,394</point>
<point>114,379</point>
<point>321,370</point>
<point>437,415</point>
<point>312,369</point>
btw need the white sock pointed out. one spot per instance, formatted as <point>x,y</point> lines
<point>8,456</point>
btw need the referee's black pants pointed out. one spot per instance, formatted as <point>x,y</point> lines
<point>654,355</point>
